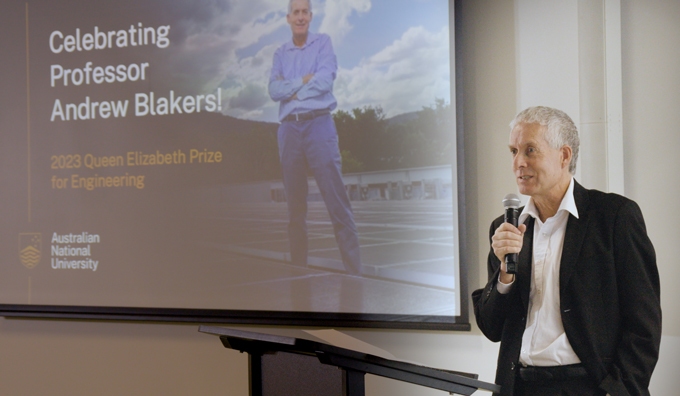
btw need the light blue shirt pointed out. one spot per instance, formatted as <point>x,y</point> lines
<point>291,63</point>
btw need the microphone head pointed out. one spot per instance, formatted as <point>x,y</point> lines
<point>511,201</point>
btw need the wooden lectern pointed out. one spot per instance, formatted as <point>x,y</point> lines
<point>283,365</point>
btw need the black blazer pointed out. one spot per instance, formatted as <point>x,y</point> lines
<point>609,296</point>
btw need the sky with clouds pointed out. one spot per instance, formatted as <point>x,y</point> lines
<point>391,53</point>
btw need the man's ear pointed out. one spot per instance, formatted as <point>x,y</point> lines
<point>567,153</point>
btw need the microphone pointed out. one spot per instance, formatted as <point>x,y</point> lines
<point>511,203</point>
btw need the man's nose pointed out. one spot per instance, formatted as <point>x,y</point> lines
<point>519,162</point>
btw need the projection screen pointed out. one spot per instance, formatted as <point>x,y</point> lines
<point>141,173</point>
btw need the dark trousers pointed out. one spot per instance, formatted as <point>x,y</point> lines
<point>580,386</point>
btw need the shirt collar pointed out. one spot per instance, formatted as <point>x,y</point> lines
<point>568,204</point>
<point>311,37</point>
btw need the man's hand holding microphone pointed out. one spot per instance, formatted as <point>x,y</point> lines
<point>507,240</point>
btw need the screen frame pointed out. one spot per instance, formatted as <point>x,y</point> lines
<point>316,319</point>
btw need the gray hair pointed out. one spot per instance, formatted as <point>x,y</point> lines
<point>560,129</point>
<point>290,6</point>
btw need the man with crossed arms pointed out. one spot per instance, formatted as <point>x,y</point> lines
<point>301,80</point>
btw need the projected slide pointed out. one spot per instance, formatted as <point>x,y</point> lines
<point>140,161</point>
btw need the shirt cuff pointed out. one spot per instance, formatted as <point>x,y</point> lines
<point>504,288</point>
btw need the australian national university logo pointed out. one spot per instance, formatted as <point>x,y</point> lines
<point>30,246</point>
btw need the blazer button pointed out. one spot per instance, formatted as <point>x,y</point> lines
<point>512,366</point>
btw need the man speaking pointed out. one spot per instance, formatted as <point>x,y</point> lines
<point>301,80</point>
<point>582,314</point>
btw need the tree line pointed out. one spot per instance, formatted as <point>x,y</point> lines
<point>368,141</point>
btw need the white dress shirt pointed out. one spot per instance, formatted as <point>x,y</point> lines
<point>544,342</point>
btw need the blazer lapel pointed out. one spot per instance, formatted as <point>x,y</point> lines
<point>574,236</point>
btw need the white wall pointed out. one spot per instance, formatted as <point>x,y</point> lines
<point>104,358</point>
<point>651,121</point>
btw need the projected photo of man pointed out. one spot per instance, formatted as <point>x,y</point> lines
<point>301,80</point>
